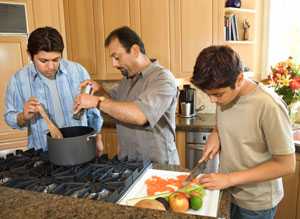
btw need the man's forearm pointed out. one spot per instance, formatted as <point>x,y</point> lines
<point>127,112</point>
<point>103,92</point>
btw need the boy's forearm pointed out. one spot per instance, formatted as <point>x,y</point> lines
<point>277,167</point>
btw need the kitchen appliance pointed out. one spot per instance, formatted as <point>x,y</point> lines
<point>100,179</point>
<point>187,101</point>
<point>78,146</point>
<point>195,142</point>
<point>85,90</point>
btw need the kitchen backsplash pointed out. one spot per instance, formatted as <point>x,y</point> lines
<point>202,98</point>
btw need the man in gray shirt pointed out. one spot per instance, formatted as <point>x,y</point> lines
<point>144,102</point>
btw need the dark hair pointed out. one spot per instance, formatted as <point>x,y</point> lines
<point>45,39</point>
<point>127,38</point>
<point>216,67</point>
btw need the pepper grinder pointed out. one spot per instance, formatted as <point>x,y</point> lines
<point>85,90</point>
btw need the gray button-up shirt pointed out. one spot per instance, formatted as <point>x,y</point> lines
<point>154,91</point>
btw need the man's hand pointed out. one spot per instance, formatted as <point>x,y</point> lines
<point>95,86</point>
<point>85,101</point>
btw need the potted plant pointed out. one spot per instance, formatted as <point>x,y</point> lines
<point>285,79</point>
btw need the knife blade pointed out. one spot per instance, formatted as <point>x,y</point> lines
<point>199,168</point>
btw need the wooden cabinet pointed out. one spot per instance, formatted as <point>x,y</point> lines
<point>196,32</point>
<point>174,31</point>
<point>13,57</point>
<point>49,13</point>
<point>289,207</point>
<point>180,144</point>
<point>110,141</point>
<point>88,22</point>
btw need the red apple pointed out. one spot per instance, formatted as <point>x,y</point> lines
<point>179,202</point>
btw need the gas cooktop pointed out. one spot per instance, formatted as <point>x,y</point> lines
<point>100,179</point>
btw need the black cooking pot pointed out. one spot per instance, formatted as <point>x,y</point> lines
<point>78,146</point>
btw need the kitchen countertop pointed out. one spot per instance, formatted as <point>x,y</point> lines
<point>201,122</point>
<point>15,203</point>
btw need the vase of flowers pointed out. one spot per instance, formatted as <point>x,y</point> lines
<point>285,79</point>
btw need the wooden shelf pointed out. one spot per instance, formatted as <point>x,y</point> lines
<point>239,42</point>
<point>239,10</point>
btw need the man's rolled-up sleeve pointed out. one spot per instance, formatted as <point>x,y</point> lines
<point>155,100</point>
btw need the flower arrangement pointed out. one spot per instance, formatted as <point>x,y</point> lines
<point>285,78</point>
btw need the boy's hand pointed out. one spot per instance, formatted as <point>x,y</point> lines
<point>211,148</point>
<point>215,181</point>
<point>30,108</point>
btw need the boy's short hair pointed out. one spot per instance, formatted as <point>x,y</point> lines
<point>216,67</point>
<point>45,39</point>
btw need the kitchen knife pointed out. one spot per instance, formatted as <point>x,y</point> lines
<point>199,168</point>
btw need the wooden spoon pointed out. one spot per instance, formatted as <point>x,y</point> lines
<point>54,131</point>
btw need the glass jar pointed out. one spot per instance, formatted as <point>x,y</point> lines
<point>293,109</point>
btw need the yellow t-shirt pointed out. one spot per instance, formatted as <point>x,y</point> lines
<point>255,127</point>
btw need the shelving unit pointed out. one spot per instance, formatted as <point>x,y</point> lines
<point>246,48</point>
<point>240,10</point>
<point>239,42</point>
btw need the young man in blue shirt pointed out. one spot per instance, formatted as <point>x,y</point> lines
<point>51,81</point>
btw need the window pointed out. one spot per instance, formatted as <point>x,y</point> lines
<point>12,18</point>
<point>284,31</point>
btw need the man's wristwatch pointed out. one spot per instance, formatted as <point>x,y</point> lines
<point>100,99</point>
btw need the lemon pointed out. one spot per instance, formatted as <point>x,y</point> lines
<point>196,202</point>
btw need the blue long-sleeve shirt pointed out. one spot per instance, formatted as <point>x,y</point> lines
<point>27,82</point>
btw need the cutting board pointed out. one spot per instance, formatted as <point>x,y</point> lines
<point>139,189</point>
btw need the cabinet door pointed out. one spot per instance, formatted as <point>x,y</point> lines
<point>180,144</point>
<point>155,29</point>
<point>88,22</point>
<point>176,31</point>
<point>110,141</point>
<point>116,13</point>
<point>287,208</point>
<point>50,13</point>
<point>80,33</point>
<point>196,31</point>
<point>13,57</point>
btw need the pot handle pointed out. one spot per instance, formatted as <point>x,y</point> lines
<point>91,136</point>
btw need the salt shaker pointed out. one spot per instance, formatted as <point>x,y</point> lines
<point>85,90</point>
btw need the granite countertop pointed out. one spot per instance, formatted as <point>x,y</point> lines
<point>15,203</point>
<point>201,122</point>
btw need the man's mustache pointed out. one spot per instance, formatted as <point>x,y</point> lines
<point>123,71</point>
